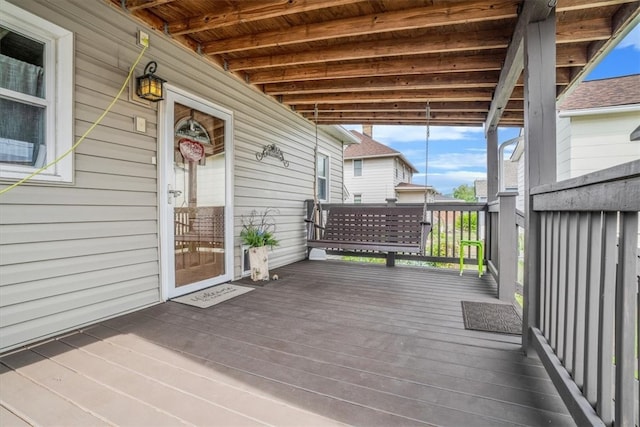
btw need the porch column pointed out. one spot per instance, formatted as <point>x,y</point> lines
<point>492,165</point>
<point>507,246</point>
<point>540,150</point>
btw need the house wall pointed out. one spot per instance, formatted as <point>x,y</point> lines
<point>520,196</point>
<point>74,254</point>
<point>376,183</point>
<point>600,141</point>
<point>404,172</point>
<point>563,151</point>
<point>410,196</point>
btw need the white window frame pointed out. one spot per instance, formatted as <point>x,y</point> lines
<point>326,178</point>
<point>361,166</point>
<point>357,198</point>
<point>59,69</point>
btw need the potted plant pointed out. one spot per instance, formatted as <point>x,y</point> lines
<point>257,232</point>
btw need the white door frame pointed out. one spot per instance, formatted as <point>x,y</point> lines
<point>165,168</point>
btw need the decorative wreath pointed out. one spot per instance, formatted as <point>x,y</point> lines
<point>191,150</point>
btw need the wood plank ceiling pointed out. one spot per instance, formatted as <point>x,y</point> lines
<point>382,61</point>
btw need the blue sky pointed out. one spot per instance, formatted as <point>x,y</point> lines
<point>457,155</point>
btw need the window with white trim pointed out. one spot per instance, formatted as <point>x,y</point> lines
<point>323,177</point>
<point>357,167</point>
<point>36,96</point>
<point>357,199</point>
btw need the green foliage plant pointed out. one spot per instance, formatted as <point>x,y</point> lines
<point>258,228</point>
<point>465,192</point>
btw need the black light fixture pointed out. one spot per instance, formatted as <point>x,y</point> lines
<point>150,85</point>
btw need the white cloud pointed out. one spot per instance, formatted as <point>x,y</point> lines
<point>445,182</point>
<point>631,40</point>
<point>457,161</point>
<point>397,134</point>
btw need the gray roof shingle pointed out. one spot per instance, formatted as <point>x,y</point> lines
<point>604,93</point>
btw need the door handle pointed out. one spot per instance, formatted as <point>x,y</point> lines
<point>172,194</point>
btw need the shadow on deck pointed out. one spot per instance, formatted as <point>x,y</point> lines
<point>328,343</point>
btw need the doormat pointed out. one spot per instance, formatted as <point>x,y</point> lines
<point>489,317</point>
<point>212,296</point>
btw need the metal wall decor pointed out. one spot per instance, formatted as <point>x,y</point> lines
<point>272,151</point>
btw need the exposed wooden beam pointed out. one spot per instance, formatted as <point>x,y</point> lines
<point>437,43</point>
<point>568,55</point>
<point>380,67</point>
<point>449,106</point>
<point>437,95</point>
<point>404,115</point>
<point>568,5</point>
<point>598,28</point>
<point>448,13</point>
<point>133,5</point>
<point>485,79</point>
<point>421,122</point>
<point>365,84</point>
<point>244,12</point>
<point>532,11</point>
<point>584,30</point>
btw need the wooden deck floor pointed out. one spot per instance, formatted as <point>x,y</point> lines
<point>329,343</point>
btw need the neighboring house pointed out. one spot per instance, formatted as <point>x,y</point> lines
<point>596,129</point>
<point>111,228</point>
<point>595,126</point>
<point>374,172</point>
<point>407,192</point>
<point>480,188</point>
<point>510,174</point>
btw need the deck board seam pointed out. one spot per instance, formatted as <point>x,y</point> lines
<point>506,374</point>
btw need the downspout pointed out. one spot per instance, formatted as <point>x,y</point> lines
<point>501,183</point>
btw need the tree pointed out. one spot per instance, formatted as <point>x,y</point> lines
<point>465,192</point>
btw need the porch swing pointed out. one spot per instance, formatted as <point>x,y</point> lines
<point>388,229</point>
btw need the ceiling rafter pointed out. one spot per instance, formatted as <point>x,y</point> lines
<point>245,12</point>
<point>447,106</point>
<point>382,61</point>
<point>435,95</point>
<point>443,14</point>
<point>380,67</point>
<point>365,84</point>
<point>567,55</point>
<point>133,5</point>
<point>436,43</point>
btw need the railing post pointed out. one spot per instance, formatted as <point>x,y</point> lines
<point>507,246</point>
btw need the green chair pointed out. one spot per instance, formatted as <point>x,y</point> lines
<point>478,244</point>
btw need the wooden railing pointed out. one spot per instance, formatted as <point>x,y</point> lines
<point>583,292</point>
<point>502,244</point>
<point>451,222</point>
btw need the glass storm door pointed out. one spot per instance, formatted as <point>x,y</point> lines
<point>197,195</point>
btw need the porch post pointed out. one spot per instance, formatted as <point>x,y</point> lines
<point>492,165</point>
<point>540,150</point>
<point>507,246</point>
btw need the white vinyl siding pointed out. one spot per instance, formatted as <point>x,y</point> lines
<point>377,182</point>
<point>602,141</point>
<point>563,152</point>
<point>76,254</point>
<point>521,190</point>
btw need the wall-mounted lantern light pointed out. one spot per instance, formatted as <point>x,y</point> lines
<point>150,85</point>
